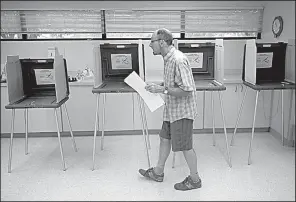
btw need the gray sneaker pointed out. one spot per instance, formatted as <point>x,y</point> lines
<point>188,184</point>
<point>151,174</point>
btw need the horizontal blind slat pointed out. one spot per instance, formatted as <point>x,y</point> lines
<point>10,21</point>
<point>142,21</point>
<point>190,22</point>
<point>231,20</point>
<point>52,21</point>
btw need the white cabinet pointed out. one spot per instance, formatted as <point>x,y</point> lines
<point>263,108</point>
<point>122,112</point>
<point>232,99</point>
<point>19,123</point>
<point>81,108</point>
<point>289,112</point>
<point>118,111</point>
<point>43,120</point>
<point>198,122</point>
<point>155,119</point>
<point>40,119</point>
<point>230,107</point>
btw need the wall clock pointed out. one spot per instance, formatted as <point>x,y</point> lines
<point>277,26</point>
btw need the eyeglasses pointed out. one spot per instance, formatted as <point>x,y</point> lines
<point>154,40</point>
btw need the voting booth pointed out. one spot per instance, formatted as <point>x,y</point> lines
<point>267,67</point>
<point>114,62</point>
<point>206,58</point>
<point>37,83</point>
<point>264,62</point>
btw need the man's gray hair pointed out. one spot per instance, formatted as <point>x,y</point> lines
<point>165,35</point>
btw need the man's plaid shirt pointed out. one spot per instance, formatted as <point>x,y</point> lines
<point>177,73</point>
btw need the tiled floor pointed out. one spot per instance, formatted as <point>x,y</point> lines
<point>39,175</point>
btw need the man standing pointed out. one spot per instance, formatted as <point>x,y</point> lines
<point>179,111</point>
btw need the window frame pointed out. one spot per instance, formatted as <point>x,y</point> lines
<point>104,35</point>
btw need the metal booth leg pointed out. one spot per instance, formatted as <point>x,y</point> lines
<point>282,95</point>
<point>238,118</point>
<point>59,137</point>
<point>289,120</point>
<point>95,132</point>
<point>174,157</point>
<point>61,114</point>
<point>103,123</point>
<point>213,118</point>
<point>71,132</point>
<point>253,127</point>
<point>26,129</point>
<point>143,130</point>
<point>145,123</point>
<point>11,140</point>
<point>225,132</point>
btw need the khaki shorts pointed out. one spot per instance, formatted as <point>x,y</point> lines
<point>180,132</point>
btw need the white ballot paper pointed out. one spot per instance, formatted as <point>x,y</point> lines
<point>152,100</point>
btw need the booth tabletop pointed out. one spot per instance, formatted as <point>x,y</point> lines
<point>32,102</point>
<point>271,86</point>
<point>201,85</point>
<point>116,87</point>
<point>209,85</point>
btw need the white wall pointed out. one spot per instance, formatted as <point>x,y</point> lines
<point>82,50</point>
<point>74,49</point>
<point>286,9</point>
<point>79,53</point>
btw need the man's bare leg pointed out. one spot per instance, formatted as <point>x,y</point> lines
<point>191,159</point>
<point>164,152</point>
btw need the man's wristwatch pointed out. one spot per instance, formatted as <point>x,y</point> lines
<point>166,90</point>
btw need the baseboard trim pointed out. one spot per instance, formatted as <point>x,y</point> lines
<point>127,132</point>
<point>278,136</point>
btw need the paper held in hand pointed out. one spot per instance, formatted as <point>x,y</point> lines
<point>152,100</point>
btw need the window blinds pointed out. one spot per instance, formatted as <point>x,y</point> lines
<point>199,22</point>
<point>135,23</point>
<point>10,22</point>
<point>141,21</point>
<point>55,21</point>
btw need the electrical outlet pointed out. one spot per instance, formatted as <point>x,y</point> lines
<point>51,52</point>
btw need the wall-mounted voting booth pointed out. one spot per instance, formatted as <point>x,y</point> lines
<point>37,83</point>
<point>265,62</point>
<point>113,63</point>
<point>207,64</point>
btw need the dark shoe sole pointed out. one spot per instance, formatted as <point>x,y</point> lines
<point>187,185</point>
<point>145,174</point>
<point>187,189</point>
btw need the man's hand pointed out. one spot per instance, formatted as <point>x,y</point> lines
<point>154,88</point>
